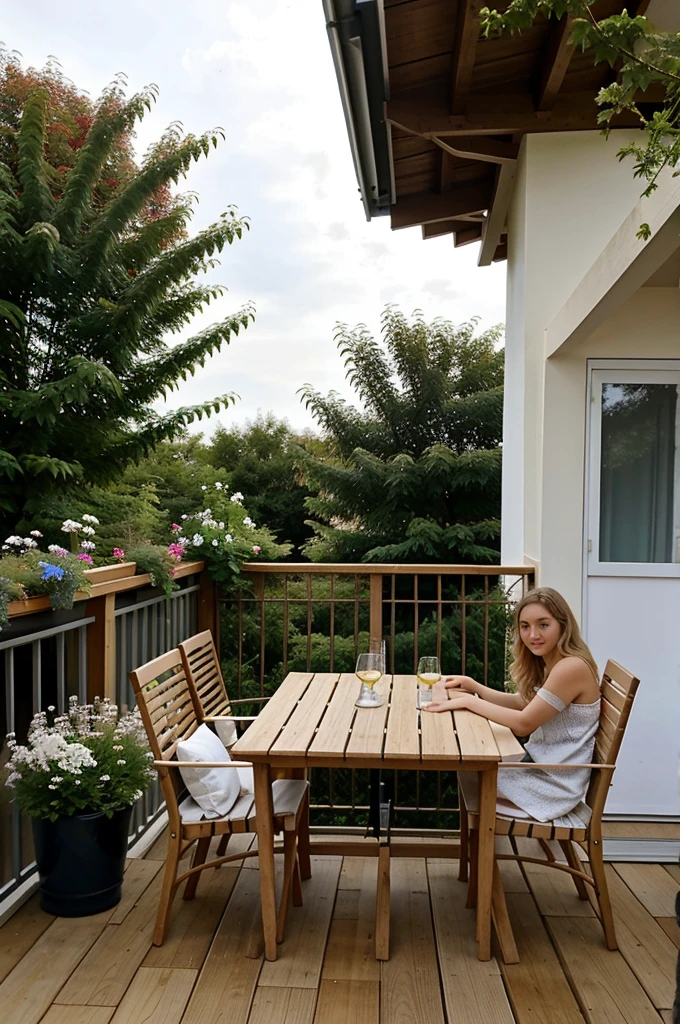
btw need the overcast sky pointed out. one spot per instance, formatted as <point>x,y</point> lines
<point>262,70</point>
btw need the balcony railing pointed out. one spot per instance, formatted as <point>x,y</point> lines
<point>47,657</point>
<point>318,617</point>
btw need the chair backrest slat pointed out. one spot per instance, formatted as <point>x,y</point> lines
<point>202,669</point>
<point>619,687</point>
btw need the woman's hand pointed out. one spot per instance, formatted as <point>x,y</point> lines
<point>466,702</point>
<point>465,683</point>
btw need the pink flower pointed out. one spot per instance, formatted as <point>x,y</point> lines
<point>175,527</point>
<point>118,553</point>
<point>176,550</point>
<point>85,558</point>
<point>257,549</point>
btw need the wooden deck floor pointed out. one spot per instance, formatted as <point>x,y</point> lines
<point>103,969</point>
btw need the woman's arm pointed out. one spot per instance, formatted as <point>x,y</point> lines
<point>468,685</point>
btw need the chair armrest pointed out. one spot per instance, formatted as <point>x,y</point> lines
<point>229,718</point>
<point>535,764</point>
<point>202,764</point>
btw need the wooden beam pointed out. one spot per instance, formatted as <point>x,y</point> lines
<point>424,114</point>
<point>464,49</point>
<point>472,233</point>
<point>557,60</point>
<point>494,225</point>
<point>426,208</point>
<point>479,148</point>
<point>449,227</point>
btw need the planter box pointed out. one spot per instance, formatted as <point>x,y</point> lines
<point>106,573</point>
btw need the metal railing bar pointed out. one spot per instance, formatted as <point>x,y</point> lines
<point>43,634</point>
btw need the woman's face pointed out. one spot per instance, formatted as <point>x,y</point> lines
<point>539,630</point>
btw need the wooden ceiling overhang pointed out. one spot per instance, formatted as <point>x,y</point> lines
<point>457,105</point>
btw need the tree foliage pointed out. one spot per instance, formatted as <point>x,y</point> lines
<point>642,57</point>
<point>89,295</point>
<point>414,474</point>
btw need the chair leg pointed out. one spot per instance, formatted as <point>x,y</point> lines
<point>464,841</point>
<point>200,854</point>
<point>602,892</point>
<point>297,882</point>
<point>573,862</point>
<point>303,841</point>
<point>289,857</point>
<point>545,846</point>
<point>168,891</point>
<point>471,901</point>
<point>382,905</point>
<point>223,843</point>
<point>501,919</point>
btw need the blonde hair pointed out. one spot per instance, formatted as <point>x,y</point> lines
<point>527,670</point>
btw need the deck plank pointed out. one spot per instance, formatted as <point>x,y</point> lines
<point>139,874</point>
<point>473,991</point>
<point>648,951</point>
<point>670,926</point>
<point>21,931</point>
<point>348,1002</point>
<point>553,890</point>
<point>78,1015</point>
<point>157,995</point>
<point>608,990</point>
<point>538,990</point>
<point>410,978</point>
<point>283,1006</point>
<point>103,976</point>
<point>28,990</point>
<point>350,952</point>
<point>301,954</point>
<point>655,887</point>
<point>226,985</point>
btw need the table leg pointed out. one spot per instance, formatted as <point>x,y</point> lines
<point>485,859</point>
<point>265,849</point>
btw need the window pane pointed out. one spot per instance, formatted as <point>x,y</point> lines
<point>637,476</point>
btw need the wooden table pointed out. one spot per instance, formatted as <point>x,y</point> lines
<point>311,722</point>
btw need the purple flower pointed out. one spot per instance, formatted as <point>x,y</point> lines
<point>85,558</point>
<point>118,553</point>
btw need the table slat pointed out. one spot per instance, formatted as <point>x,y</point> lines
<point>259,737</point>
<point>438,736</point>
<point>333,734</point>
<point>368,730</point>
<point>402,738</point>
<point>299,730</point>
<point>475,737</point>
<point>509,747</point>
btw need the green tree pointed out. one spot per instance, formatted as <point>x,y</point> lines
<point>413,475</point>
<point>88,297</point>
<point>642,57</point>
<point>260,460</point>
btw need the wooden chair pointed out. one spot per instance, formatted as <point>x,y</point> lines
<point>618,690</point>
<point>167,709</point>
<point>212,704</point>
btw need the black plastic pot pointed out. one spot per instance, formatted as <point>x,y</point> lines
<point>81,861</point>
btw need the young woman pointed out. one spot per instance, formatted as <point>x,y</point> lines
<point>557,704</point>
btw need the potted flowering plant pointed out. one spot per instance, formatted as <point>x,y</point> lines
<point>57,573</point>
<point>224,536</point>
<point>77,777</point>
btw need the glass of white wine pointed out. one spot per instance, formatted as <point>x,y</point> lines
<point>428,674</point>
<point>369,669</point>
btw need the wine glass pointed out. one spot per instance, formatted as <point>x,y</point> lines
<point>369,669</point>
<point>428,674</point>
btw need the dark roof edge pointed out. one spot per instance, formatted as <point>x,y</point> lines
<point>356,36</point>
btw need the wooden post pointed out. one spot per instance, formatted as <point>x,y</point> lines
<point>376,608</point>
<point>101,648</point>
<point>208,617</point>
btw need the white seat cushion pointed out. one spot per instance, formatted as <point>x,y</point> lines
<point>215,790</point>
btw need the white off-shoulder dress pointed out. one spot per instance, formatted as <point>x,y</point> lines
<point>558,797</point>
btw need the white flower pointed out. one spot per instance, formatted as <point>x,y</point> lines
<point>236,497</point>
<point>183,518</point>
<point>249,523</point>
<point>56,779</point>
<point>197,540</point>
<point>71,526</point>
<point>183,541</point>
<point>104,778</point>
<point>36,533</point>
<point>221,526</point>
<point>91,519</point>
<point>30,543</point>
<point>215,543</point>
<point>117,747</point>
<point>228,538</point>
<point>218,486</point>
<point>204,487</point>
<point>89,531</point>
<point>88,545</point>
<point>121,761</point>
<point>14,540</point>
